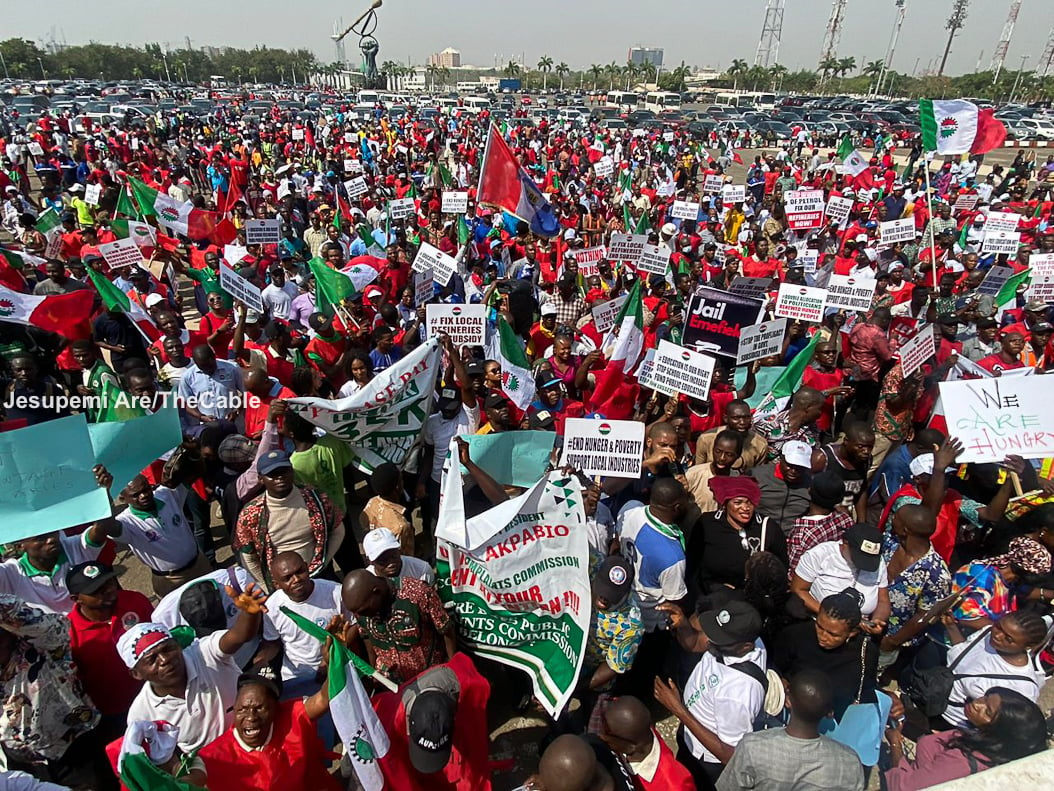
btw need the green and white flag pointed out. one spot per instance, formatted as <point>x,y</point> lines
<point>365,740</point>
<point>629,340</point>
<point>949,126</point>
<point>853,162</point>
<point>506,347</point>
<point>49,222</point>
<point>331,287</point>
<point>790,380</point>
<point>518,576</point>
<point>145,743</point>
<point>19,259</point>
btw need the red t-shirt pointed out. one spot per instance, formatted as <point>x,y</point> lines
<point>715,417</point>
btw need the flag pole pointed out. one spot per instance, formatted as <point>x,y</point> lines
<point>929,209</point>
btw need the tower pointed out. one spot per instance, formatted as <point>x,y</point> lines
<point>338,41</point>
<point>887,64</point>
<point>829,50</point>
<point>999,56</point>
<point>1046,61</point>
<point>953,25</point>
<point>769,44</point>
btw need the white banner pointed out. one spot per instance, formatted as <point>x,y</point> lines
<point>609,448</point>
<point>838,209</point>
<point>801,302</point>
<point>1001,221</point>
<point>805,209</point>
<point>588,259</point>
<point>895,231</point>
<point>685,210</point>
<point>626,247</point>
<point>423,288</point>
<point>1042,286</point>
<point>753,287</point>
<point>604,314</point>
<point>356,187</point>
<point>851,293</point>
<point>1001,242</point>
<point>401,207</point>
<point>604,168</point>
<point>761,340</point>
<point>713,183</point>
<point>92,193</point>
<point>733,193</point>
<point>995,279</point>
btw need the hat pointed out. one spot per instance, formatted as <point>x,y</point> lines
<point>236,449</point>
<point>495,400</point>
<point>548,309</point>
<point>153,299</point>
<point>865,546</point>
<point>1042,326</point>
<point>252,316</point>
<point>948,319</point>
<point>737,622</point>
<point>1035,306</point>
<point>373,291</point>
<point>448,397</point>
<point>378,541</point>
<point>139,640</point>
<point>274,460</point>
<point>541,420</point>
<point>728,487</point>
<point>613,580</point>
<point>797,453</point>
<point>88,577</point>
<point>201,605</point>
<point>668,229</point>
<point>77,188</point>
<point>922,464</point>
<point>827,489</point>
<point>896,266</point>
<point>1027,554</point>
<point>430,726</point>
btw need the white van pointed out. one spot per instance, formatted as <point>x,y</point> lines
<point>476,104</point>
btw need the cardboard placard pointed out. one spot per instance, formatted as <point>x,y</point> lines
<point>801,302</point>
<point>685,210</point>
<point>759,341</point>
<point>1000,416</point>
<point>123,252</point>
<point>680,370</point>
<point>465,324</point>
<point>92,193</point>
<point>455,202</point>
<point>714,320</point>
<point>611,448</point>
<point>626,246</point>
<point>401,207</point>
<point>733,193</point>
<point>1001,242</point>
<point>917,349</point>
<point>805,209</point>
<point>298,134</point>
<point>994,280</point>
<point>356,187</point>
<point>604,314</point>
<point>442,266</point>
<point>838,209</point>
<point>850,293</point>
<point>35,148</point>
<point>966,203</point>
<point>654,259</point>
<point>262,232</point>
<point>240,288</point>
<point>895,231</point>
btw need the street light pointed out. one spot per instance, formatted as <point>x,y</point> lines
<point>43,71</point>
<point>1017,79</point>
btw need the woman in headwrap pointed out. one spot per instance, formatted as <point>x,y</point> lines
<point>724,540</point>
<point>989,584</point>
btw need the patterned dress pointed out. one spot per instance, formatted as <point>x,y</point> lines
<point>918,587</point>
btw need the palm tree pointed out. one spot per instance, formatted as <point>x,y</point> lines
<point>512,68</point>
<point>873,68</point>
<point>777,72</point>
<point>595,71</point>
<point>613,72</point>
<point>545,65</point>
<point>562,70</point>
<point>737,70</point>
<point>829,66</point>
<point>846,65</point>
<point>444,75</point>
<point>432,71</point>
<point>678,77</point>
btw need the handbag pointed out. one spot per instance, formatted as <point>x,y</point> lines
<point>862,724</point>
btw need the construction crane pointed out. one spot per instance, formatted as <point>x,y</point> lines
<point>1045,67</point>
<point>769,44</point>
<point>887,64</point>
<point>999,56</point>
<point>831,37</point>
<point>953,25</point>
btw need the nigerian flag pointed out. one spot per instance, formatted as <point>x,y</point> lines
<point>464,233</point>
<point>505,347</point>
<point>115,299</point>
<point>1008,293</point>
<point>17,259</point>
<point>365,740</point>
<point>331,287</point>
<point>789,381</point>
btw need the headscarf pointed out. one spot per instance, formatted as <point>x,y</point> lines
<point>726,487</point>
<point>1026,554</point>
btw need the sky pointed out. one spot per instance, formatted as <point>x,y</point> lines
<point>578,32</point>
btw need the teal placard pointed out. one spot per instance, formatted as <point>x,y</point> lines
<point>125,447</point>
<point>512,458</point>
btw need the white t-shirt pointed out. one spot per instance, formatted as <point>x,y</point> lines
<point>413,568</point>
<point>208,709</point>
<point>983,660</point>
<point>829,572</point>
<point>303,652</point>
<point>47,591</point>
<point>724,699</point>
<point>164,542</point>
<point>279,299</point>
<point>438,432</point>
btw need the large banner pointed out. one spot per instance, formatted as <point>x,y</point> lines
<point>715,318</point>
<point>382,421</point>
<point>518,577</point>
<point>997,417</point>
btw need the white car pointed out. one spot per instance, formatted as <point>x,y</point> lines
<point>1037,128</point>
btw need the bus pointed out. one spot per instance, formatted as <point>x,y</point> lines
<point>476,104</point>
<point>369,97</point>
<point>657,101</point>
<point>759,100</point>
<point>625,101</point>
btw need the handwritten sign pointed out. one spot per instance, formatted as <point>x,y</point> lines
<point>685,210</point>
<point>838,209</point>
<point>805,209</point>
<point>654,259</point>
<point>733,193</point>
<point>801,302</point>
<point>604,314</point>
<point>442,266</point>
<point>761,340</point>
<point>753,287</point>
<point>465,324</point>
<point>995,279</point>
<point>680,370</point>
<point>262,232</point>
<point>851,293</point>
<point>626,247</point>
<point>123,252</point>
<point>356,187</point>
<point>589,259</point>
<point>1001,242</point>
<point>402,207</point>
<point>423,287</point>
<point>713,184</point>
<point>999,416</point>
<point>1001,221</point>
<point>455,202</point>
<point>611,448</point>
<point>895,231</point>
<point>92,193</point>
<point>240,288</point>
<point>917,349</point>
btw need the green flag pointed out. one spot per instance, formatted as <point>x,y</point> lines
<point>1008,293</point>
<point>331,287</point>
<point>643,225</point>
<point>627,218</point>
<point>112,410</point>
<point>126,206</point>
<point>48,221</point>
<point>789,381</point>
<point>463,232</point>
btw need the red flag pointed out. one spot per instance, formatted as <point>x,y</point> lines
<point>234,194</point>
<point>991,132</point>
<point>737,158</point>
<point>616,393</point>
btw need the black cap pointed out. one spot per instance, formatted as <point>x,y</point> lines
<point>474,368</point>
<point>827,490</point>
<point>495,400</point>
<point>201,606</point>
<point>430,726</point>
<point>865,546</point>
<point>88,577</point>
<point>948,319</point>
<point>737,622</point>
<point>613,580</point>
<point>448,398</point>
<point>540,420</point>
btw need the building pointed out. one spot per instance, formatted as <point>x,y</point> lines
<point>447,59</point>
<point>645,56</point>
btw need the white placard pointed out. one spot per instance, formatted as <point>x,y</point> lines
<point>123,252</point>
<point>423,287</point>
<point>801,302</point>
<point>654,259</point>
<point>1001,221</point>
<point>35,148</point>
<point>234,253</point>
<point>753,287</point>
<point>133,143</point>
<point>807,260</point>
<point>761,340</point>
<point>1042,286</point>
<point>667,137</point>
<point>588,259</point>
<point>685,210</point>
<point>356,187</point>
<point>351,137</point>
<point>604,314</point>
<point>298,134</point>
<point>465,324</point>
<point>626,246</point>
<point>455,202</point>
<point>805,209</point>
<point>713,183</point>
<point>1001,242</point>
<point>262,232</point>
<point>442,266</point>
<point>917,349</point>
<point>680,370</point>
<point>610,448</point>
<point>994,280</point>
<point>966,203</point>
<point>1000,416</point>
<point>349,166</point>
<point>604,168</point>
<point>240,288</point>
<point>733,193</point>
<point>851,293</point>
<point>838,209</point>
<point>401,207</point>
<point>92,193</point>
<point>895,231</point>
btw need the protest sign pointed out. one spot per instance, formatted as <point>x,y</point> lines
<point>262,232</point>
<point>626,247</point>
<point>1001,242</point>
<point>668,136</point>
<point>647,363</point>
<point>465,324</point>
<point>298,133</point>
<point>349,166</point>
<point>654,259</point>
<point>612,448</point>
<point>442,265</point>
<point>123,252</point>
<point>588,259</point>
<point>994,281</point>
<point>604,314</point>
<point>401,207</point>
<point>838,209</point>
<point>894,231</point>
<point>713,184</point>
<point>518,578</point>
<point>455,202</point>
<point>851,293</point>
<point>685,210</point>
<point>1001,221</point>
<point>999,416</point>
<point>805,209</point>
<point>680,370</point>
<point>382,421</point>
<point>92,193</point>
<point>965,203</point>
<point>917,349</point>
<point>753,287</point>
<point>714,320</point>
<point>807,260</point>
<point>125,447</point>
<point>234,253</point>
<point>733,193</point>
<point>133,143</point>
<point>35,148</point>
<point>351,137</point>
<point>1042,286</point>
<point>48,480</point>
<point>356,187</point>
<point>801,302</point>
<point>423,287</point>
<point>604,168</point>
<point>240,288</point>
<point>512,458</point>
<point>761,340</point>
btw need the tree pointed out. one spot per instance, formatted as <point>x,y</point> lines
<point>595,71</point>
<point>432,70</point>
<point>776,75</point>
<point>873,68</point>
<point>21,56</point>
<point>846,65</point>
<point>512,68</point>
<point>737,70</point>
<point>613,72</point>
<point>562,70</point>
<point>545,65</point>
<point>828,66</point>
